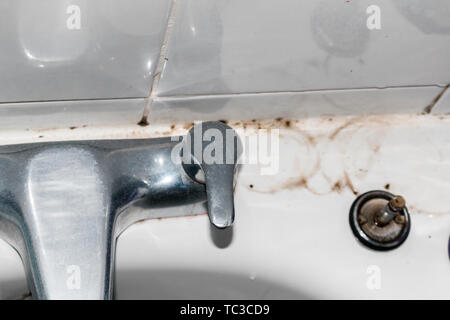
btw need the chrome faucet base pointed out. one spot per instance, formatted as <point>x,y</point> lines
<point>63,205</point>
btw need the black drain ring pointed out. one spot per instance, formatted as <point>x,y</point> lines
<point>362,236</point>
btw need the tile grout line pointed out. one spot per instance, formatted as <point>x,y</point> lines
<point>70,100</point>
<point>225,95</point>
<point>433,103</point>
<point>249,94</point>
<point>161,63</point>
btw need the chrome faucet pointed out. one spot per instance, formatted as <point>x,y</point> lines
<point>63,204</point>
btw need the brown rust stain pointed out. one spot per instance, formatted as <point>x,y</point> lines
<point>296,183</point>
<point>293,125</point>
<point>278,123</point>
<point>337,187</point>
<point>188,126</point>
<point>302,183</point>
<point>24,296</point>
<point>345,183</point>
<point>339,129</point>
<point>293,183</point>
<point>143,122</point>
<point>311,139</point>
<point>349,184</point>
<point>415,210</point>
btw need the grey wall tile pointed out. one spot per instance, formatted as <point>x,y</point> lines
<point>44,56</point>
<point>237,46</point>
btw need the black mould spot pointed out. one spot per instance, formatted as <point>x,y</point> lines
<point>144,122</point>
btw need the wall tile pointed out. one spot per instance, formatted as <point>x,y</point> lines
<point>236,46</point>
<point>113,54</point>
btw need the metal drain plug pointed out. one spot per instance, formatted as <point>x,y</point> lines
<point>380,220</point>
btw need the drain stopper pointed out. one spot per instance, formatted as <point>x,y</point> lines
<point>380,220</point>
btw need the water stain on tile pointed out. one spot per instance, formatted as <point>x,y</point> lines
<point>340,30</point>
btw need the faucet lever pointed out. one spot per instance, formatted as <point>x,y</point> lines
<point>210,154</point>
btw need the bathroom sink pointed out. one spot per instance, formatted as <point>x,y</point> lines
<point>291,238</point>
<point>342,99</point>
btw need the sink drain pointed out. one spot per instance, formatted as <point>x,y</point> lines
<point>380,220</point>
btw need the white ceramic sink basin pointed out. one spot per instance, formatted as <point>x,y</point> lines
<point>291,237</point>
